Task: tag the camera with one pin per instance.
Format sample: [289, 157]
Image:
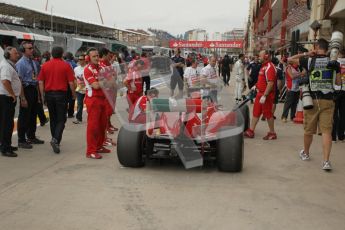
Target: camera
[336, 44]
[307, 100]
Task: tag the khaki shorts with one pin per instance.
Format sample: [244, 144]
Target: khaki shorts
[321, 116]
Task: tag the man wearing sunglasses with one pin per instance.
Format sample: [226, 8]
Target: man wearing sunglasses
[28, 72]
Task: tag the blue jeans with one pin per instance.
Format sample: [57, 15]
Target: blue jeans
[80, 106]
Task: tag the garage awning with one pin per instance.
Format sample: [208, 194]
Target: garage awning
[36, 37]
[89, 40]
[40, 37]
[26, 36]
[9, 33]
[17, 34]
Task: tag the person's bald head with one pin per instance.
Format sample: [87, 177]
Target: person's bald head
[264, 56]
[213, 61]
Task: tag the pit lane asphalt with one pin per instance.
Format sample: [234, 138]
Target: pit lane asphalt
[41, 190]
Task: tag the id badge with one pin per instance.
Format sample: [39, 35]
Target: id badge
[33, 76]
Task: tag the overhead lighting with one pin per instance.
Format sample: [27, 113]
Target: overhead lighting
[315, 25]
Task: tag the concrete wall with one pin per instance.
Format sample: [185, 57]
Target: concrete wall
[328, 25]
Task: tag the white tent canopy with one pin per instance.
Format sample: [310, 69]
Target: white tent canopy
[26, 36]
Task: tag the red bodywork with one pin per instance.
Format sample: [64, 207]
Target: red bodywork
[170, 123]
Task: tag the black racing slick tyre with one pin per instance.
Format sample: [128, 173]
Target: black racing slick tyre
[246, 116]
[130, 148]
[229, 153]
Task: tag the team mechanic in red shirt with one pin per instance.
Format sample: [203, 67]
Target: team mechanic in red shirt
[96, 105]
[134, 82]
[105, 57]
[54, 78]
[265, 97]
[137, 113]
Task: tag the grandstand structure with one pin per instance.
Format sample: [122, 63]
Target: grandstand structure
[19, 23]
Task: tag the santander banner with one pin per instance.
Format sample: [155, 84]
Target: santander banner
[206, 44]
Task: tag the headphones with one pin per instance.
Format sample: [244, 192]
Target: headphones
[7, 51]
[87, 58]
[87, 55]
[21, 46]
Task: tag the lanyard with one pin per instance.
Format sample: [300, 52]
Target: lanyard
[12, 65]
[32, 66]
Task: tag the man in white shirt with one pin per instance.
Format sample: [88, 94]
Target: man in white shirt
[191, 78]
[239, 78]
[210, 79]
[10, 89]
[80, 90]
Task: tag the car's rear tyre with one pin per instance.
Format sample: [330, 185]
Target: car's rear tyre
[246, 116]
[130, 147]
[229, 153]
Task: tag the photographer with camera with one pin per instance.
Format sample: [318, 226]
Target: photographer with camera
[317, 97]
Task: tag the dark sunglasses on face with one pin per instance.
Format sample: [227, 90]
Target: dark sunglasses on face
[29, 48]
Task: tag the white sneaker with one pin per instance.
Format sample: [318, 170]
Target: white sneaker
[304, 156]
[326, 165]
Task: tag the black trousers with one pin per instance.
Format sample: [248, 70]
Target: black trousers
[147, 81]
[251, 82]
[339, 117]
[226, 75]
[57, 107]
[290, 104]
[70, 103]
[27, 116]
[40, 113]
[7, 109]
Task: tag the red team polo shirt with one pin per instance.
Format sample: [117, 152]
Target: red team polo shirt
[104, 63]
[91, 75]
[267, 73]
[56, 74]
[137, 111]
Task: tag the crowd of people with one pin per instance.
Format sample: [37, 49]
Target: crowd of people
[324, 82]
[55, 80]
[19, 79]
[59, 80]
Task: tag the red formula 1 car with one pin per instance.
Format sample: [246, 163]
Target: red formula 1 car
[194, 130]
